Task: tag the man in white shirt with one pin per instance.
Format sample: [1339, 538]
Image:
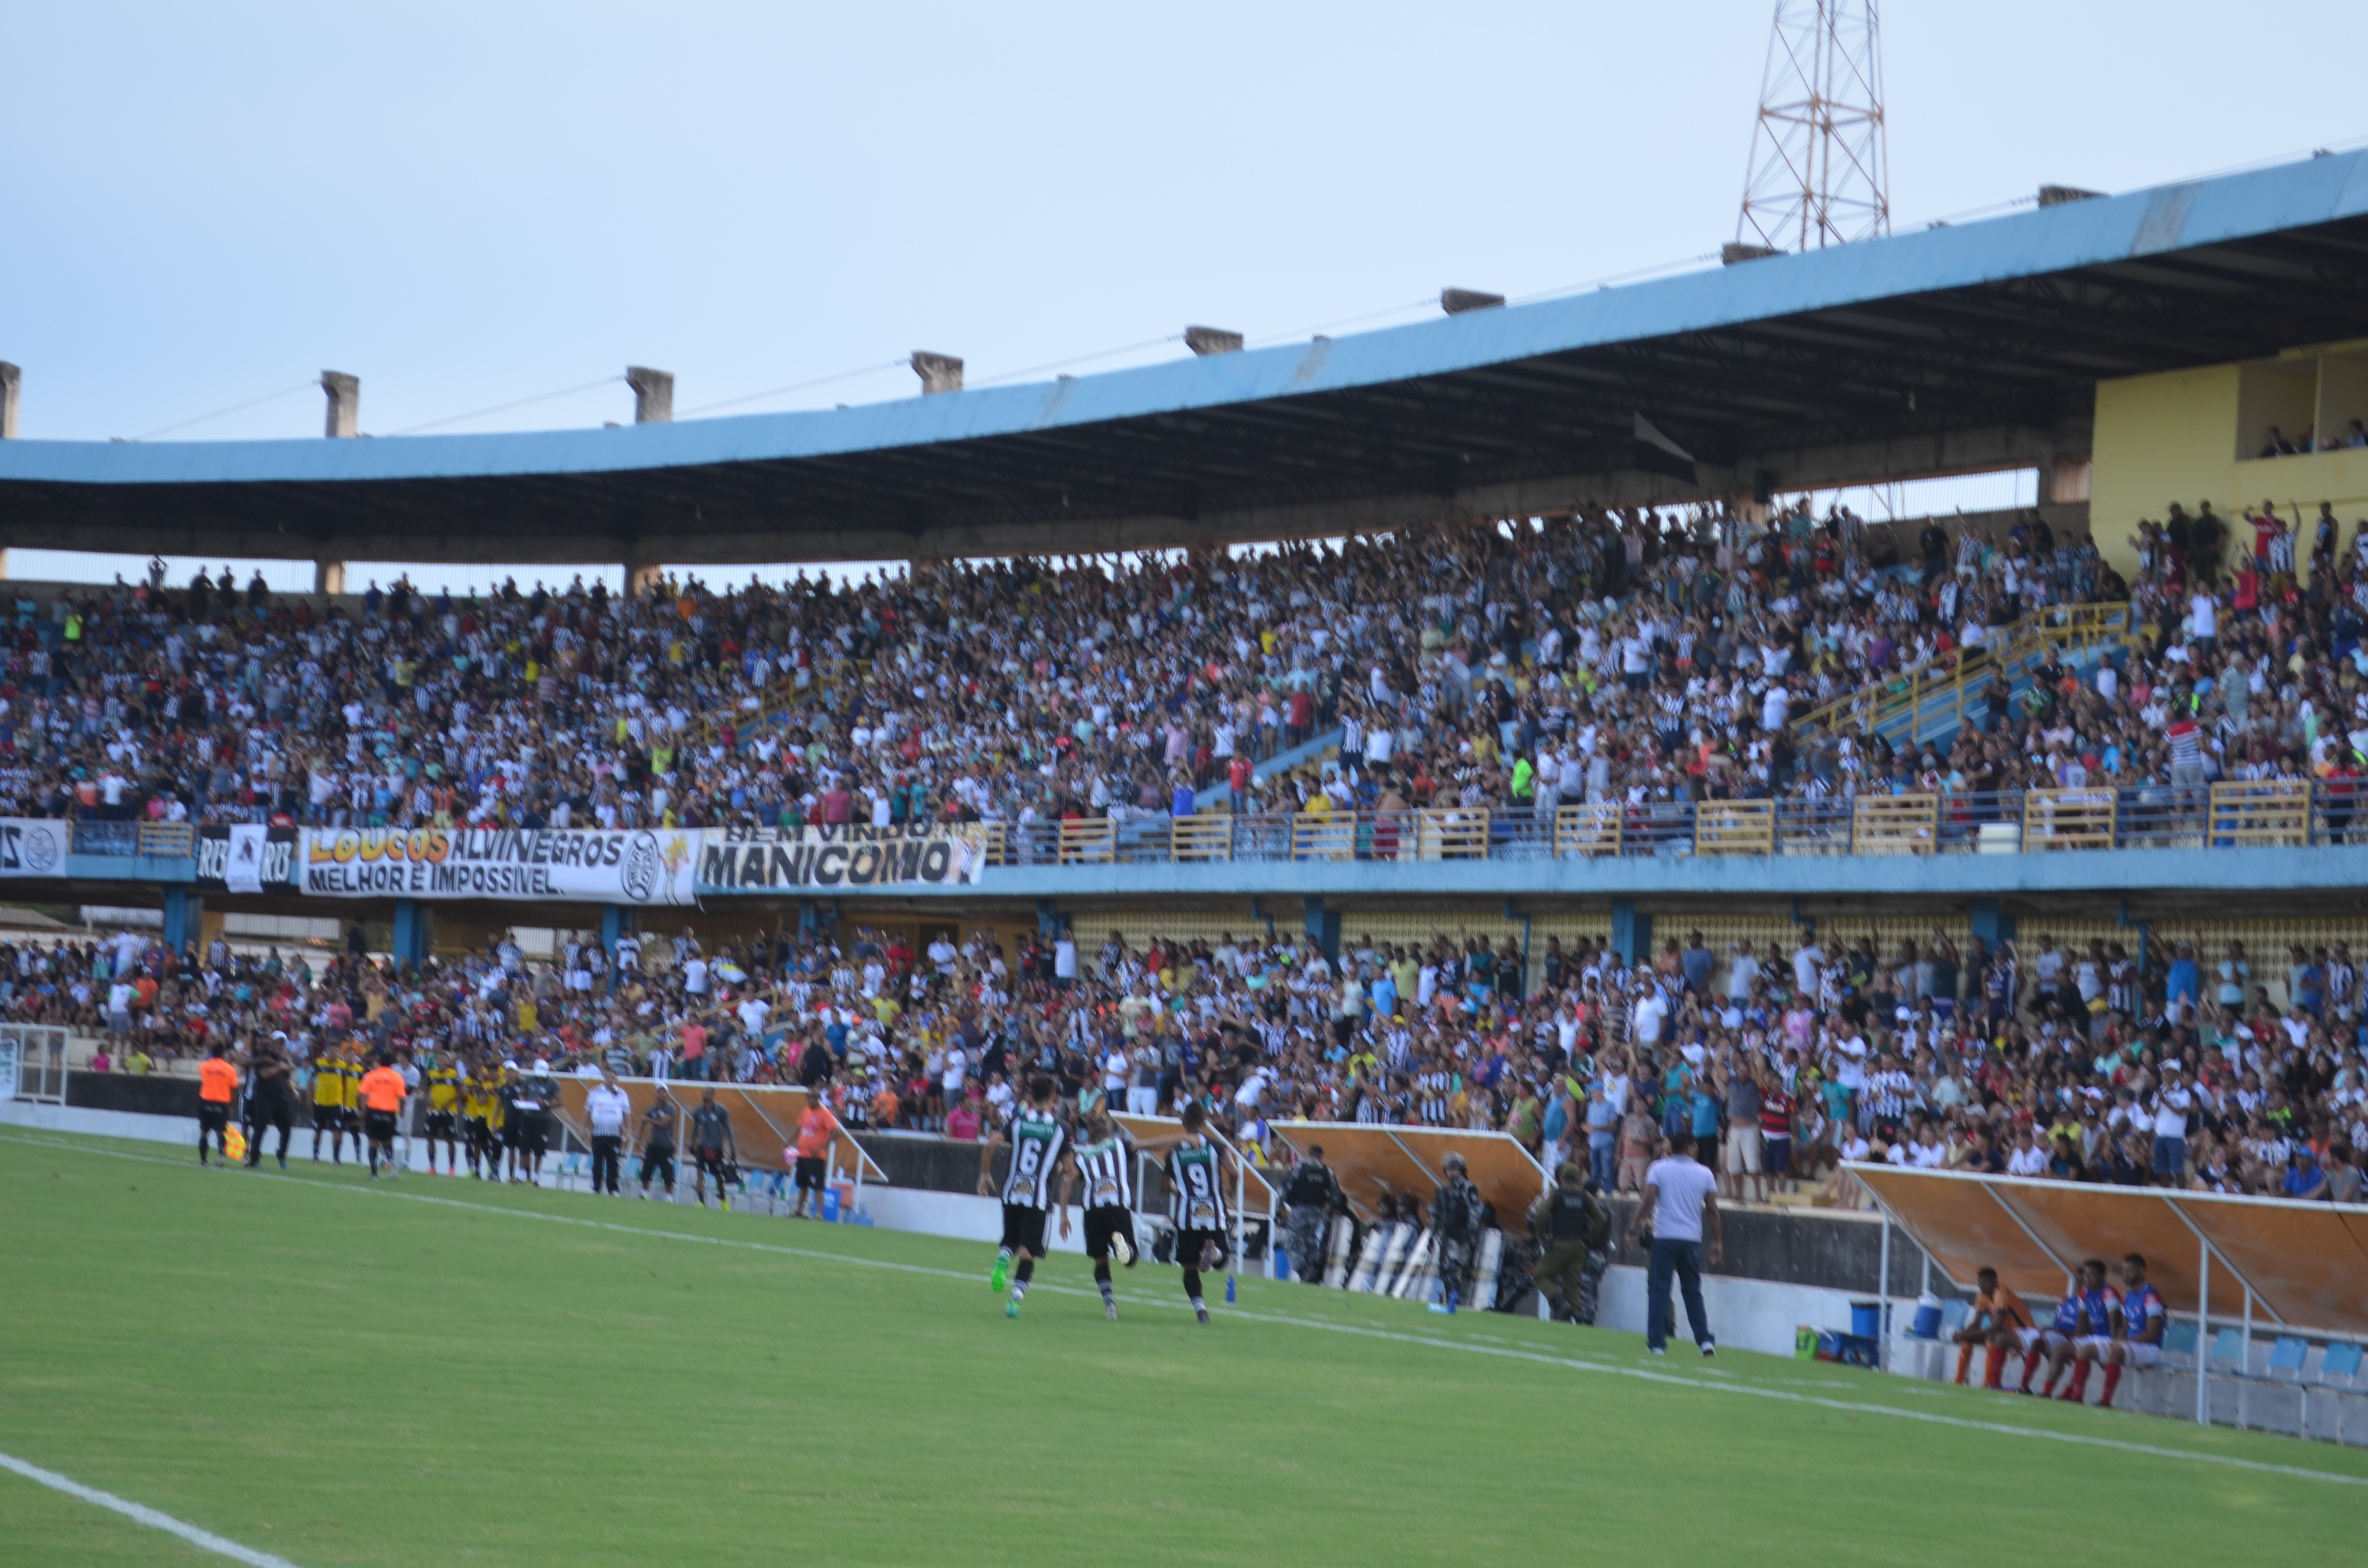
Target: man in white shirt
[2171, 1104]
[605, 1107]
[1680, 1208]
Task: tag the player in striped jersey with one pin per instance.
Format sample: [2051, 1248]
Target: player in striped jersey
[1102, 1163]
[1035, 1138]
[1196, 1201]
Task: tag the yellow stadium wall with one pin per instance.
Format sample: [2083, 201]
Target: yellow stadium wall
[2190, 436]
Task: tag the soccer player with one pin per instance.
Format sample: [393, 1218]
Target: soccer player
[2000, 1319]
[268, 1105]
[1034, 1137]
[2101, 1311]
[711, 1147]
[2052, 1344]
[382, 1091]
[657, 1143]
[329, 1106]
[217, 1089]
[815, 1127]
[531, 1103]
[2142, 1320]
[1103, 1163]
[1196, 1187]
[477, 1110]
[442, 1081]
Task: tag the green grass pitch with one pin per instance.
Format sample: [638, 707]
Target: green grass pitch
[337, 1373]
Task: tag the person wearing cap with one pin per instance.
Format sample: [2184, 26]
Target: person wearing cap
[1455, 1231]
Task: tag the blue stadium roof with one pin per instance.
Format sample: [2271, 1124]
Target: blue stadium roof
[2005, 323]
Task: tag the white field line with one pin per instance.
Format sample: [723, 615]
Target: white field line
[144, 1515]
[1645, 1374]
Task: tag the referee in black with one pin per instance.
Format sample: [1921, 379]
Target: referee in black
[268, 1101]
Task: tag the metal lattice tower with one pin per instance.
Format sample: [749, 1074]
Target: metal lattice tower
[1820, 174]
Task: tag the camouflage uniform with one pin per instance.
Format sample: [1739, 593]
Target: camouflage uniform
[1455, 1232]
[1313, 1195]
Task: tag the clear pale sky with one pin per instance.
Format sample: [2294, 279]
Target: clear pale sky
[469, 205]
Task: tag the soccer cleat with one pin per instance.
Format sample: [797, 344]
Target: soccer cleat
[1710, 1349]
[1123, 1246]
[1201, 1313]
[1654, 1351]
[1109, 1311]
[1011, 1307]
[1001, 1273]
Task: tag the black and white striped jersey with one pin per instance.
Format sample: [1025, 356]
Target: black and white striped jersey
[1036, 1137]
[1105, 1172]
[1196, 1197]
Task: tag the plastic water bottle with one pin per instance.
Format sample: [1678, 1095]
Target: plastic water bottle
[1229, 1289]
[1450, 1303]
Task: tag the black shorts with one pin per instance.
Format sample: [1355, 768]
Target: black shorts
[1103, 1224]
[440, 1124]
[475, 1132]
[329, 1117]
[657, 1160]
[710, 1161]
[1023, 1228]
[1190, 1244]
[270, 1110]
[212, 1116]
[810, 1172]
[530, 1133]
[379, 1125]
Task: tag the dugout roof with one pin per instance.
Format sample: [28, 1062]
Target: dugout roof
[1901, 345]
[2306, 1264]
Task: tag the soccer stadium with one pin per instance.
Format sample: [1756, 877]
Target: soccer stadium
[1425, 944]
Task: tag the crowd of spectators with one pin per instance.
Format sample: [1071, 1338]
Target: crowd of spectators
[1588, 655]
[2031, 1059]
[1643, 656]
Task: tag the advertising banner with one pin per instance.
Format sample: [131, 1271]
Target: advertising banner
[32, 846]
[849, 857]
[247, 858]
[580, 865]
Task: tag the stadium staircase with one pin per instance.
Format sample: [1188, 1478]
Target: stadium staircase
[1931, 701]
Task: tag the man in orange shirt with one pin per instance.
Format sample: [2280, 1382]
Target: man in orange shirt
[816, 1125]
[2000, 1319]
[383, 1090]
[217, 1089]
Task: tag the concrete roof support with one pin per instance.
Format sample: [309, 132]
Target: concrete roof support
[653, 394]
[939, 372]
[1212, 340]
[344, 404]
[1455, 302]
[12, 380]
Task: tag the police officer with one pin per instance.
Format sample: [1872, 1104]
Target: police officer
[1455, 1231]
[1313, 1196]
[1575, 1228]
